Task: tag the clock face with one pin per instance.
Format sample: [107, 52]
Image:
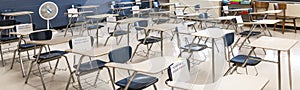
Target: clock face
[48, 10]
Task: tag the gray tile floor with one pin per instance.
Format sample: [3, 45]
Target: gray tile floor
[11, 79]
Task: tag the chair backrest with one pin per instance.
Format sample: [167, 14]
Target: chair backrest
[89, 45]
[280, 6]
[42, 35]
[4, 33]
[261, 6]
[229, 39]
[120, 55]
[178, 71]
[142, 23]
[197, 7]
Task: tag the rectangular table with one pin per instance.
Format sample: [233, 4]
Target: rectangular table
[149, 66]
[278, 44]
[161, 28]
[213, 33]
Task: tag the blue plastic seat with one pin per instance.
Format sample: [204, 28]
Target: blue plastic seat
[194, 47]
[139, 26]
[91, 66]
[94, 27]
[149, 40]
[118, 33]
[240, 59]
[140, 81]
[49, 56]
[254, 33]
[25, 46]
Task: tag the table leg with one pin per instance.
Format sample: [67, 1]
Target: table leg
[290, 73]
[213, 59]
[279, 71]
[161, 46]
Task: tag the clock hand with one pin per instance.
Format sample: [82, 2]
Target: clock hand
[49, 10]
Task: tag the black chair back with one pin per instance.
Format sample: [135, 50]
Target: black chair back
[197, 7]
[142, 23]
[120, 55]
[42, 35]
[4, 33]
[229, 39]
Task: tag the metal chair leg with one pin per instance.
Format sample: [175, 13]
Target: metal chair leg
[41, 76]
[96, 79]
[69, 81]
[55, 66]
[69, 67]
[106, 40]
[180, 54]
[135, 51]
[256, 71]
[235, 69]
[30, 68]
[154, 86]
[229, 69]
[118, 42]
[148, 50]
[13, 61]
[3, 63]
[114, 74]
[28, 56]
[112, 80]
[79, 83]
[50, 65]
[21, 64]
